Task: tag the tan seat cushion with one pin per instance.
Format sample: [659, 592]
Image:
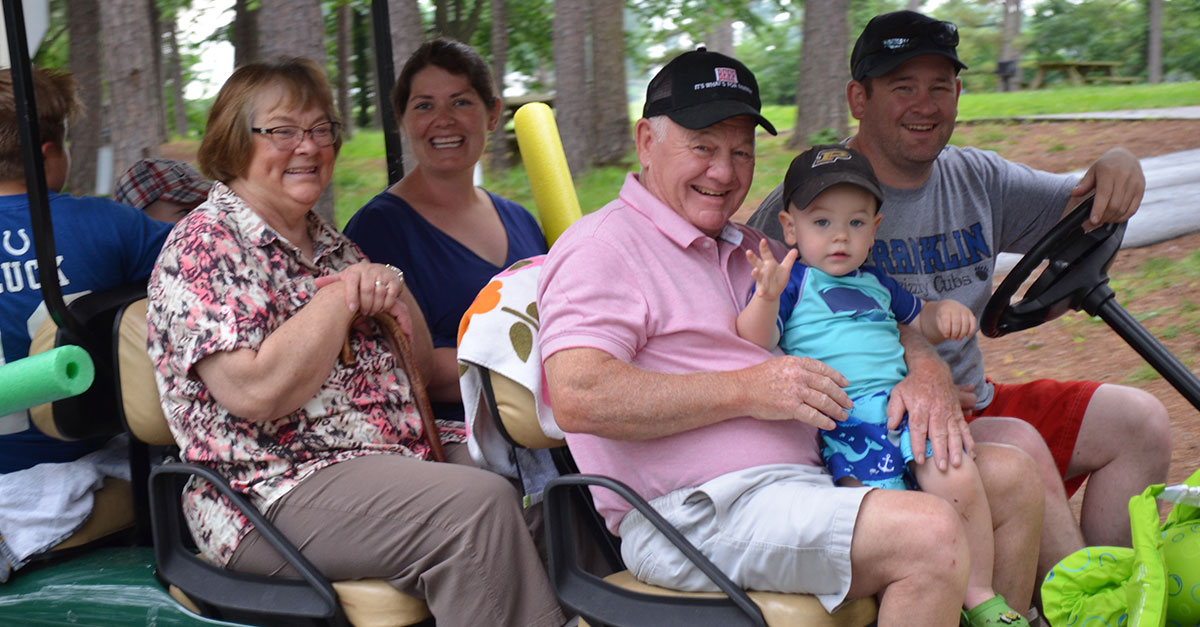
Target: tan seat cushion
[139, 393]
[375, 603]
[367, 603]
[778, 609]
[112, 511]
[518, 413]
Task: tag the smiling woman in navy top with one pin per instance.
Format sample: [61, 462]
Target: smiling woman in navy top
[448, 236]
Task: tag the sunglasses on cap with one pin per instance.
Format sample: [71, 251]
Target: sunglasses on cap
[942, 34]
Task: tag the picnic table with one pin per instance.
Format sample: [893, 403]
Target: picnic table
[1080, 72]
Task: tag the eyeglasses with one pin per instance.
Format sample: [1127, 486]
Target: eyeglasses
[943, 34]
[288, 137]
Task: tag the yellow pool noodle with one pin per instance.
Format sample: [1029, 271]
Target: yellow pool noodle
[546, 167]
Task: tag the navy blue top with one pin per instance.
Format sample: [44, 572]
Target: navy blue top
[100, 244]
[444, 275]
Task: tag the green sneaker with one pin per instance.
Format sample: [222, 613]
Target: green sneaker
[993, 612]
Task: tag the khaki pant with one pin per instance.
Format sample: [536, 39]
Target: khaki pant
[448, 533]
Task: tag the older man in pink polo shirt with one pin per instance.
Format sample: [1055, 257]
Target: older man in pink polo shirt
[653, 386]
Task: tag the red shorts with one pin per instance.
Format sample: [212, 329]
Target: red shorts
[1054, 408]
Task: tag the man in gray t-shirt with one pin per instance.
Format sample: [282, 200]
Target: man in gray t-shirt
[948, 212]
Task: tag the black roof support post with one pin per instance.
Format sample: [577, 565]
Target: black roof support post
[385, 71]
[35, 171]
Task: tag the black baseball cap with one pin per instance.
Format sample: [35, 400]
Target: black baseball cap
[891, 39]
[821, 167]
[700, 88]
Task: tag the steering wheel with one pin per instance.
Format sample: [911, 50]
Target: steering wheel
[1078, 263]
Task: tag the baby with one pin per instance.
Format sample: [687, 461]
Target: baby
[832, 308]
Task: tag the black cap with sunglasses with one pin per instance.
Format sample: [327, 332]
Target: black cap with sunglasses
[893, 38]
[700, 88]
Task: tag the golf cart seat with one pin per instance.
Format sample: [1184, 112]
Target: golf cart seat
[618, 599]
[203, 587]
[92, 414]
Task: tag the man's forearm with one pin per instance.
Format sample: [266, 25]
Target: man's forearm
[594, 393]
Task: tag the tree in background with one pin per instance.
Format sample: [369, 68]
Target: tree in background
[1154, 45]
[344, 26]
[720, 37]
[156, 50]
[83, 26]
[1100, 30]
[244, 32]
[134, 88]
[1181, 45]
[498, 142]
[820, 88]
[364, 69]
[174, 64]
[457, 19]
[1008, 64]
[572, 96]
[612, 138]
[407, 35]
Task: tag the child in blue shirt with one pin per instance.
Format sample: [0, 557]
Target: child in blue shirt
[833, 309]
[100, 244]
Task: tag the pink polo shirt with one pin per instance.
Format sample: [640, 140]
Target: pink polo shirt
[642, 284]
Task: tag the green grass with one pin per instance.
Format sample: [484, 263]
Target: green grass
[359, 174]
[1077, 100]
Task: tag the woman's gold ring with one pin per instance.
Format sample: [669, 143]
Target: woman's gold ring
[378, 283]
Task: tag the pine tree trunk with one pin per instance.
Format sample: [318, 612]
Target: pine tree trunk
[244, 33]
[135, 91]
[572, 102]
[820, 91]
[345, 19]
[407, 35]
[176, 64]
[612, 129]
[1009, 64]
[83, 28]
[1154, 62]
[721, 38]
[156, 49]
[499, 138]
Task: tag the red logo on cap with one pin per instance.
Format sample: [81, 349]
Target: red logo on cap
[727, 75]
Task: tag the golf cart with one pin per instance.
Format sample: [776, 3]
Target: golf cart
[121, 579]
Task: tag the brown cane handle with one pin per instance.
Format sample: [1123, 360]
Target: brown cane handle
[403, 350]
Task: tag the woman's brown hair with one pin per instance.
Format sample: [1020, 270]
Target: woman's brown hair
[227, 146]
[454, 57]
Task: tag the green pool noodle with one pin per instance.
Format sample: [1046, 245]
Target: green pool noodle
[55, 374]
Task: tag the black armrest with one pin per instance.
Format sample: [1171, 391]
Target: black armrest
[95, 412]
[234, 595]
[601, 602]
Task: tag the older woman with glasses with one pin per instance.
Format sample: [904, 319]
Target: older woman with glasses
[251, 303]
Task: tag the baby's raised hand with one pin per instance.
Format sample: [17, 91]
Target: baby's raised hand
[770, 276]
[954, 320]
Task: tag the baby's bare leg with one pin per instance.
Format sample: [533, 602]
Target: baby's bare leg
[963, 489]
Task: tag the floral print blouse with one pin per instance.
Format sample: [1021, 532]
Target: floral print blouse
[225, 281]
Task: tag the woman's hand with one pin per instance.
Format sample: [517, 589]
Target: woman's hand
[372, 288]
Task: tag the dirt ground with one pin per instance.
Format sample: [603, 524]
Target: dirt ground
[1075, 346]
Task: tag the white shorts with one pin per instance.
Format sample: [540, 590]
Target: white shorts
[777, 528]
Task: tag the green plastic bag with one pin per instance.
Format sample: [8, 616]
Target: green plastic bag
[1154, 584]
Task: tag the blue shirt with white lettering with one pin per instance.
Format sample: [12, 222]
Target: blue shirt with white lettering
[100, 244]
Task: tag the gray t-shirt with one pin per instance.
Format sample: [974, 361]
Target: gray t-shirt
[940, 240]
